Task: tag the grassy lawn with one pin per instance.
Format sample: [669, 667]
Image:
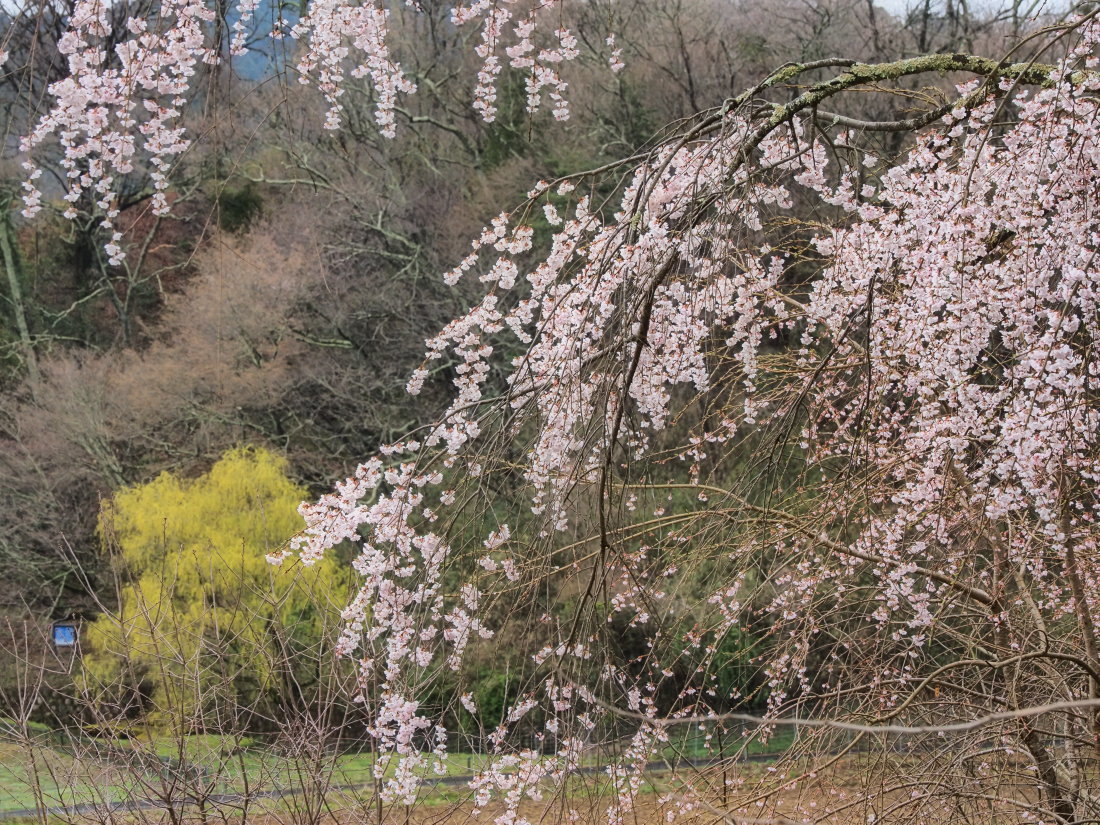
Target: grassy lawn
[56, 774]
[111, 772]
[148, 766]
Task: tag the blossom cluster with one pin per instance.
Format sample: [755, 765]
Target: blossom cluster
[328, 29]
[111, 109]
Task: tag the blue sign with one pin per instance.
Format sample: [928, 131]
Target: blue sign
[64, 635]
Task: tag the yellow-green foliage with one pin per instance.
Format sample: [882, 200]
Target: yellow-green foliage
[203, 618]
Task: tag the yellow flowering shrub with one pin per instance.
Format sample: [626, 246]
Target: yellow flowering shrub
[202, 618]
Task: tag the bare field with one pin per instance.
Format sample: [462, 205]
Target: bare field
[807, 803]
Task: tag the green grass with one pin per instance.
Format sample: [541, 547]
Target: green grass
[52, 773]
[132, 769]
[147, 765]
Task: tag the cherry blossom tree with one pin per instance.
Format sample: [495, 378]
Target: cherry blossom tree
[886, 427]
[785, 404]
